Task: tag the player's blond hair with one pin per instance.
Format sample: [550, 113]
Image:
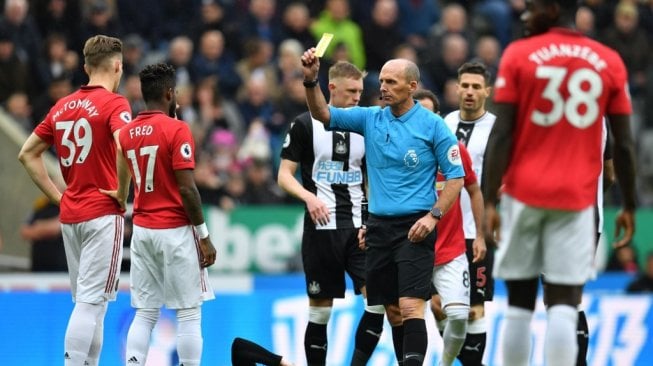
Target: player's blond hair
[347, 70]
[98, 49]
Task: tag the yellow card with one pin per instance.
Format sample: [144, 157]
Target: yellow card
[323, 44]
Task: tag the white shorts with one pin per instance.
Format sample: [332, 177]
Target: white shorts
[534, 241]
[94, 255]
[165, 269]
[451, 280]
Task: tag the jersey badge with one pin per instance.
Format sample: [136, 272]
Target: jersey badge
[286, 141]
[411, 159]
[341, 148]
[186, 151]
[454, 155]
[126, 116]
[314, 288]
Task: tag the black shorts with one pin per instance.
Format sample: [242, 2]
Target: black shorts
[482, 282]
[395, 266]
[326, 255]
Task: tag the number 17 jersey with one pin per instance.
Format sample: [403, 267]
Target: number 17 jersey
[154, 146]
[562, 84]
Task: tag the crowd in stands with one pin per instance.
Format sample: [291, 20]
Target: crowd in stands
[238, 66]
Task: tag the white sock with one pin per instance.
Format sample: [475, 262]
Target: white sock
[189, 336]
[98, 337]
[138, 337]
[80, 333]
[454, 333]
[560, 346]
[516, 344]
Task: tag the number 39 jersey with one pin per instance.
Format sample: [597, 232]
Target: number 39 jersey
[154, 146]
[80, 126]
[562, 84]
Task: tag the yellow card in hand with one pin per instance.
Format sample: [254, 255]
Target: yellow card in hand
[323, 44]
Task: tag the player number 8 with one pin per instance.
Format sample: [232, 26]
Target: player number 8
[577, 97]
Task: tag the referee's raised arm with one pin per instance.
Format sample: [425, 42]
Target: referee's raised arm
[315, 100]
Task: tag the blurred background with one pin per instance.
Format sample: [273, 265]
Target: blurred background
[239, 83]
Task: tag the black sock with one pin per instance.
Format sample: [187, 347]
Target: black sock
[472, 352]
[415, 340]
[315, 344]
[398, 342]
[246, 353]
[367, 336]
[583, 336]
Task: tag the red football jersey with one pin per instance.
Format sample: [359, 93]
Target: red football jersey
[562, 84]
[81, 127]
[154, 146]
[450, 242]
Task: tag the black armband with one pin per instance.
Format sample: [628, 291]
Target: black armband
[310, 84]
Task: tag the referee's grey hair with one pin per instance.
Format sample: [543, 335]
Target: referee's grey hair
[412, 71]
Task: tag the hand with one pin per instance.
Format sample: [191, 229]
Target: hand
[122, 201]
[625, 220]
[361, 238]
[479, 249]
[492, 225]
[207, 252]
[422, 228]
[311, 64]
[318, 210]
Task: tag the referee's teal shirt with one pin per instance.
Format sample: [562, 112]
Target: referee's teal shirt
[402, 155]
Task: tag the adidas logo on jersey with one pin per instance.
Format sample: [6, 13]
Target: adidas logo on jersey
[66, 356]
[314, 288]
[133, 361]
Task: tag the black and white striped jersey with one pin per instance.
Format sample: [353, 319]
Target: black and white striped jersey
[332, 167]
[474, 135]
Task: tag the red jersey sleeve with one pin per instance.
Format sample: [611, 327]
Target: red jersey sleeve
[183, 148]
[44, 130]
[619, 100]
[505, 86]
[470, 176]
[120, 113]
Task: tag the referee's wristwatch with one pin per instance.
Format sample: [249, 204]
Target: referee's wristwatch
[437, 213]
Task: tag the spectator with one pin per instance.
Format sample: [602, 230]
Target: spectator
[455, 51]
[131, 89]
[631, 43]
[416, 18]
[18, 107]
[133, 53]
[178, 16]
[381, 35]
[454, 21]
[256, 107]
[260, 22]
[15, 74]
[288, 64]
[43, 230]
[180, 54]
[644, 281]
[257, 61]
[57, 16]
[623, 260]
[59, 87]
[213, 60]
[296, 23]
[57, 61]
[142, 17]
[488, 52]
[23, 30]
[585, 21]
[99, 19]
[216, 112]
[260, 185]
[214, 15]
[335, 19]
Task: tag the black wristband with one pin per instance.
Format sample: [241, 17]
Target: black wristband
[310, 84]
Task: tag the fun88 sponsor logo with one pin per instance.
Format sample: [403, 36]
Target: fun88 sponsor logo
[331, 172]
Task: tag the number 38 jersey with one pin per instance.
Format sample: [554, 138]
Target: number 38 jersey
[81, 126]
[154, 146]
[562, 84]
